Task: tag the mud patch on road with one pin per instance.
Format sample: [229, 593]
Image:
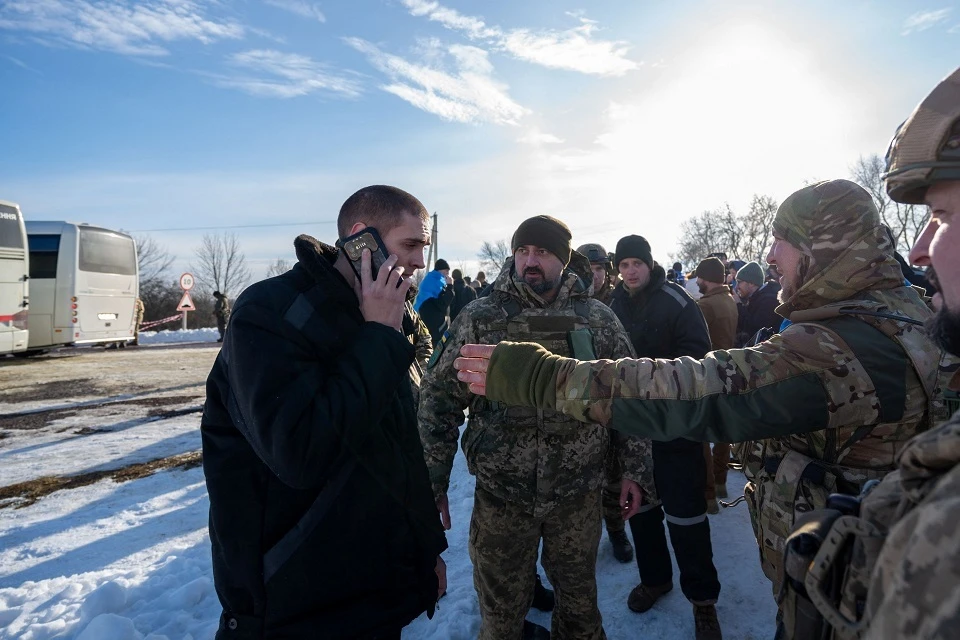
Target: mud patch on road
[37, 420]
[24, 494]
[54, 390]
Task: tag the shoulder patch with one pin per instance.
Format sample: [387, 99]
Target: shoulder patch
[674, 294]
[438, 350]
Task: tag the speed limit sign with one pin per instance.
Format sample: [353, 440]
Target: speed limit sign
[186, 281]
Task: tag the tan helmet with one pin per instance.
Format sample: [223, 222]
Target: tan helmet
[926, 148]
[596, 254]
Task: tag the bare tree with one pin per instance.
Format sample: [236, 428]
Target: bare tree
[492, 257]
[746, 236]
[153, 259]
[220, 264]
[906, 221]
[757, 226]
[279, 267]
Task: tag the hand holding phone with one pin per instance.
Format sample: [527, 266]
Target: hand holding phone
[354, 245]
[382, 292]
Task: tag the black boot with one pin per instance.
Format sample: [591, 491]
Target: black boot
[533, 631]
[622, 550]
[543, 598]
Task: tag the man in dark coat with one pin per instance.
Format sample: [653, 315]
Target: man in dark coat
[663, 321]
[758, 303]
[434, 299]
[463, 294]
[322, 518]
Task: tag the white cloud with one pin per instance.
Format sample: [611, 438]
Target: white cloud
[470, 94]
[132, 28]
[300, 7]
[923, 20]
[536, 137]
[287, 75]
[574, 49]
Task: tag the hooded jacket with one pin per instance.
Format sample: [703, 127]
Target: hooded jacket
[306, 397]
[829, 402]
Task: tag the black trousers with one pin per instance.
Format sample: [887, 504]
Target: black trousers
[680, 473]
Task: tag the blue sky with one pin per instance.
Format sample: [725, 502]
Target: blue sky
[617, 117]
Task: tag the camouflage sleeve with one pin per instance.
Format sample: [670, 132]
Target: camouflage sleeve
[423, 343]
[913, 590]
[796, 382]
[443, 399]
[634, 453]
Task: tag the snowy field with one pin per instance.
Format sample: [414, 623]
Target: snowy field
[130, 560]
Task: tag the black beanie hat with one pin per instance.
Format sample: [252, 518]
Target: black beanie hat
[546, 232]
[711, 270]
[633, 247]
[440, 265]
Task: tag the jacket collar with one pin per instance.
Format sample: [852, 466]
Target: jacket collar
[317, 259]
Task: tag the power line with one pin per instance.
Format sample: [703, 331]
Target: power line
[236, 226]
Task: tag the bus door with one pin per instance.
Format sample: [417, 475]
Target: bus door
[44, 257]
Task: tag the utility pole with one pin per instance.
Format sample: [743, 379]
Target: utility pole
[433, 239]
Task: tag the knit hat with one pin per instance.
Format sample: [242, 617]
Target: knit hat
[633, 247]
[711, 270]
[751, 272]
[546, 232]
[456, 274]
[440, 265]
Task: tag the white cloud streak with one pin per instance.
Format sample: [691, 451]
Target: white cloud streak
[125, 27]
[468, 95]
[287, 75]
[301, 8]
[574, 49]
[923, 20]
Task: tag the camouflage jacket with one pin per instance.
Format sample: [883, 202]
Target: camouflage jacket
[530, 457]
[913, 591]
[221, 308]
[419, 336]
[605, 294]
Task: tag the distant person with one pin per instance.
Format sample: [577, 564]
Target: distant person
[758, 304]
[322, 518]
[462, 294]
[221, 310]
[720, 312]
[138, 311]
[678, 271]
[434, 299]
[481, 282]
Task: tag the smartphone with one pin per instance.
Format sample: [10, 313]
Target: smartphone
[354, 245]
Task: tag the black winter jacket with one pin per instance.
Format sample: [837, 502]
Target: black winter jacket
[302, 386]
[434, 311]
[462, 296]
[759, 313]
[662, 320]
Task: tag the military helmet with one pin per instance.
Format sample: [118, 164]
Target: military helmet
[926, 148]
[595, 253]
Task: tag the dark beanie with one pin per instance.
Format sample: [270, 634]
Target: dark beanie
[440, 265]
[633, 247]
[751, 272]
[711, 270]
[545, 232]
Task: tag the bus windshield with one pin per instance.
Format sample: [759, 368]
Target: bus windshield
[10, 234]
[104, 251]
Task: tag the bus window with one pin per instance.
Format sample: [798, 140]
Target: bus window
[44, 250]
[107, 252]
[10, 235]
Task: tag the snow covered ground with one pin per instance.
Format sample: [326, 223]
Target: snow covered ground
[131, 560]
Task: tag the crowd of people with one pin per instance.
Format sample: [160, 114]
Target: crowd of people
[592, 386]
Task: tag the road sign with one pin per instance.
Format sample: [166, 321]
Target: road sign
[186, 303]
[186, 282]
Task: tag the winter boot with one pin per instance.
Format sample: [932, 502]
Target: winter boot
[643, 597]
[712, 507]
[533, 631]
[721, 490]
[706, 623]
[622, 550]
[543, 598]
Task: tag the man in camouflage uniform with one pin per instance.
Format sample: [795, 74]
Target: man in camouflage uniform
[221, 310]
[138, 311]
[828, 403]
[538, 473]
[604, 281]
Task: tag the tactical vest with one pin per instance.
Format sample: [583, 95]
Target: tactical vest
[560, 331]
[785, 483]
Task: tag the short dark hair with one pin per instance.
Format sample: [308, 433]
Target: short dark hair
[379, 206]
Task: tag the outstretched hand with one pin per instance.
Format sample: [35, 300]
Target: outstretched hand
[472, 366]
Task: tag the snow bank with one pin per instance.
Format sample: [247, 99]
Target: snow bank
[207, 334]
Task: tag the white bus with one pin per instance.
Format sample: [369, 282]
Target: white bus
[84, 284]
[14, 270]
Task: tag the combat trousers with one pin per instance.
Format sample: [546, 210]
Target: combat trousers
[680, 474]
[504, 540]
[613, 476]
[717, 461]
[221, 326]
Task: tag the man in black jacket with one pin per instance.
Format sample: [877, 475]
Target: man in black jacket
[758, 303]
[463, 294]
[322, 517]
[663, 321]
